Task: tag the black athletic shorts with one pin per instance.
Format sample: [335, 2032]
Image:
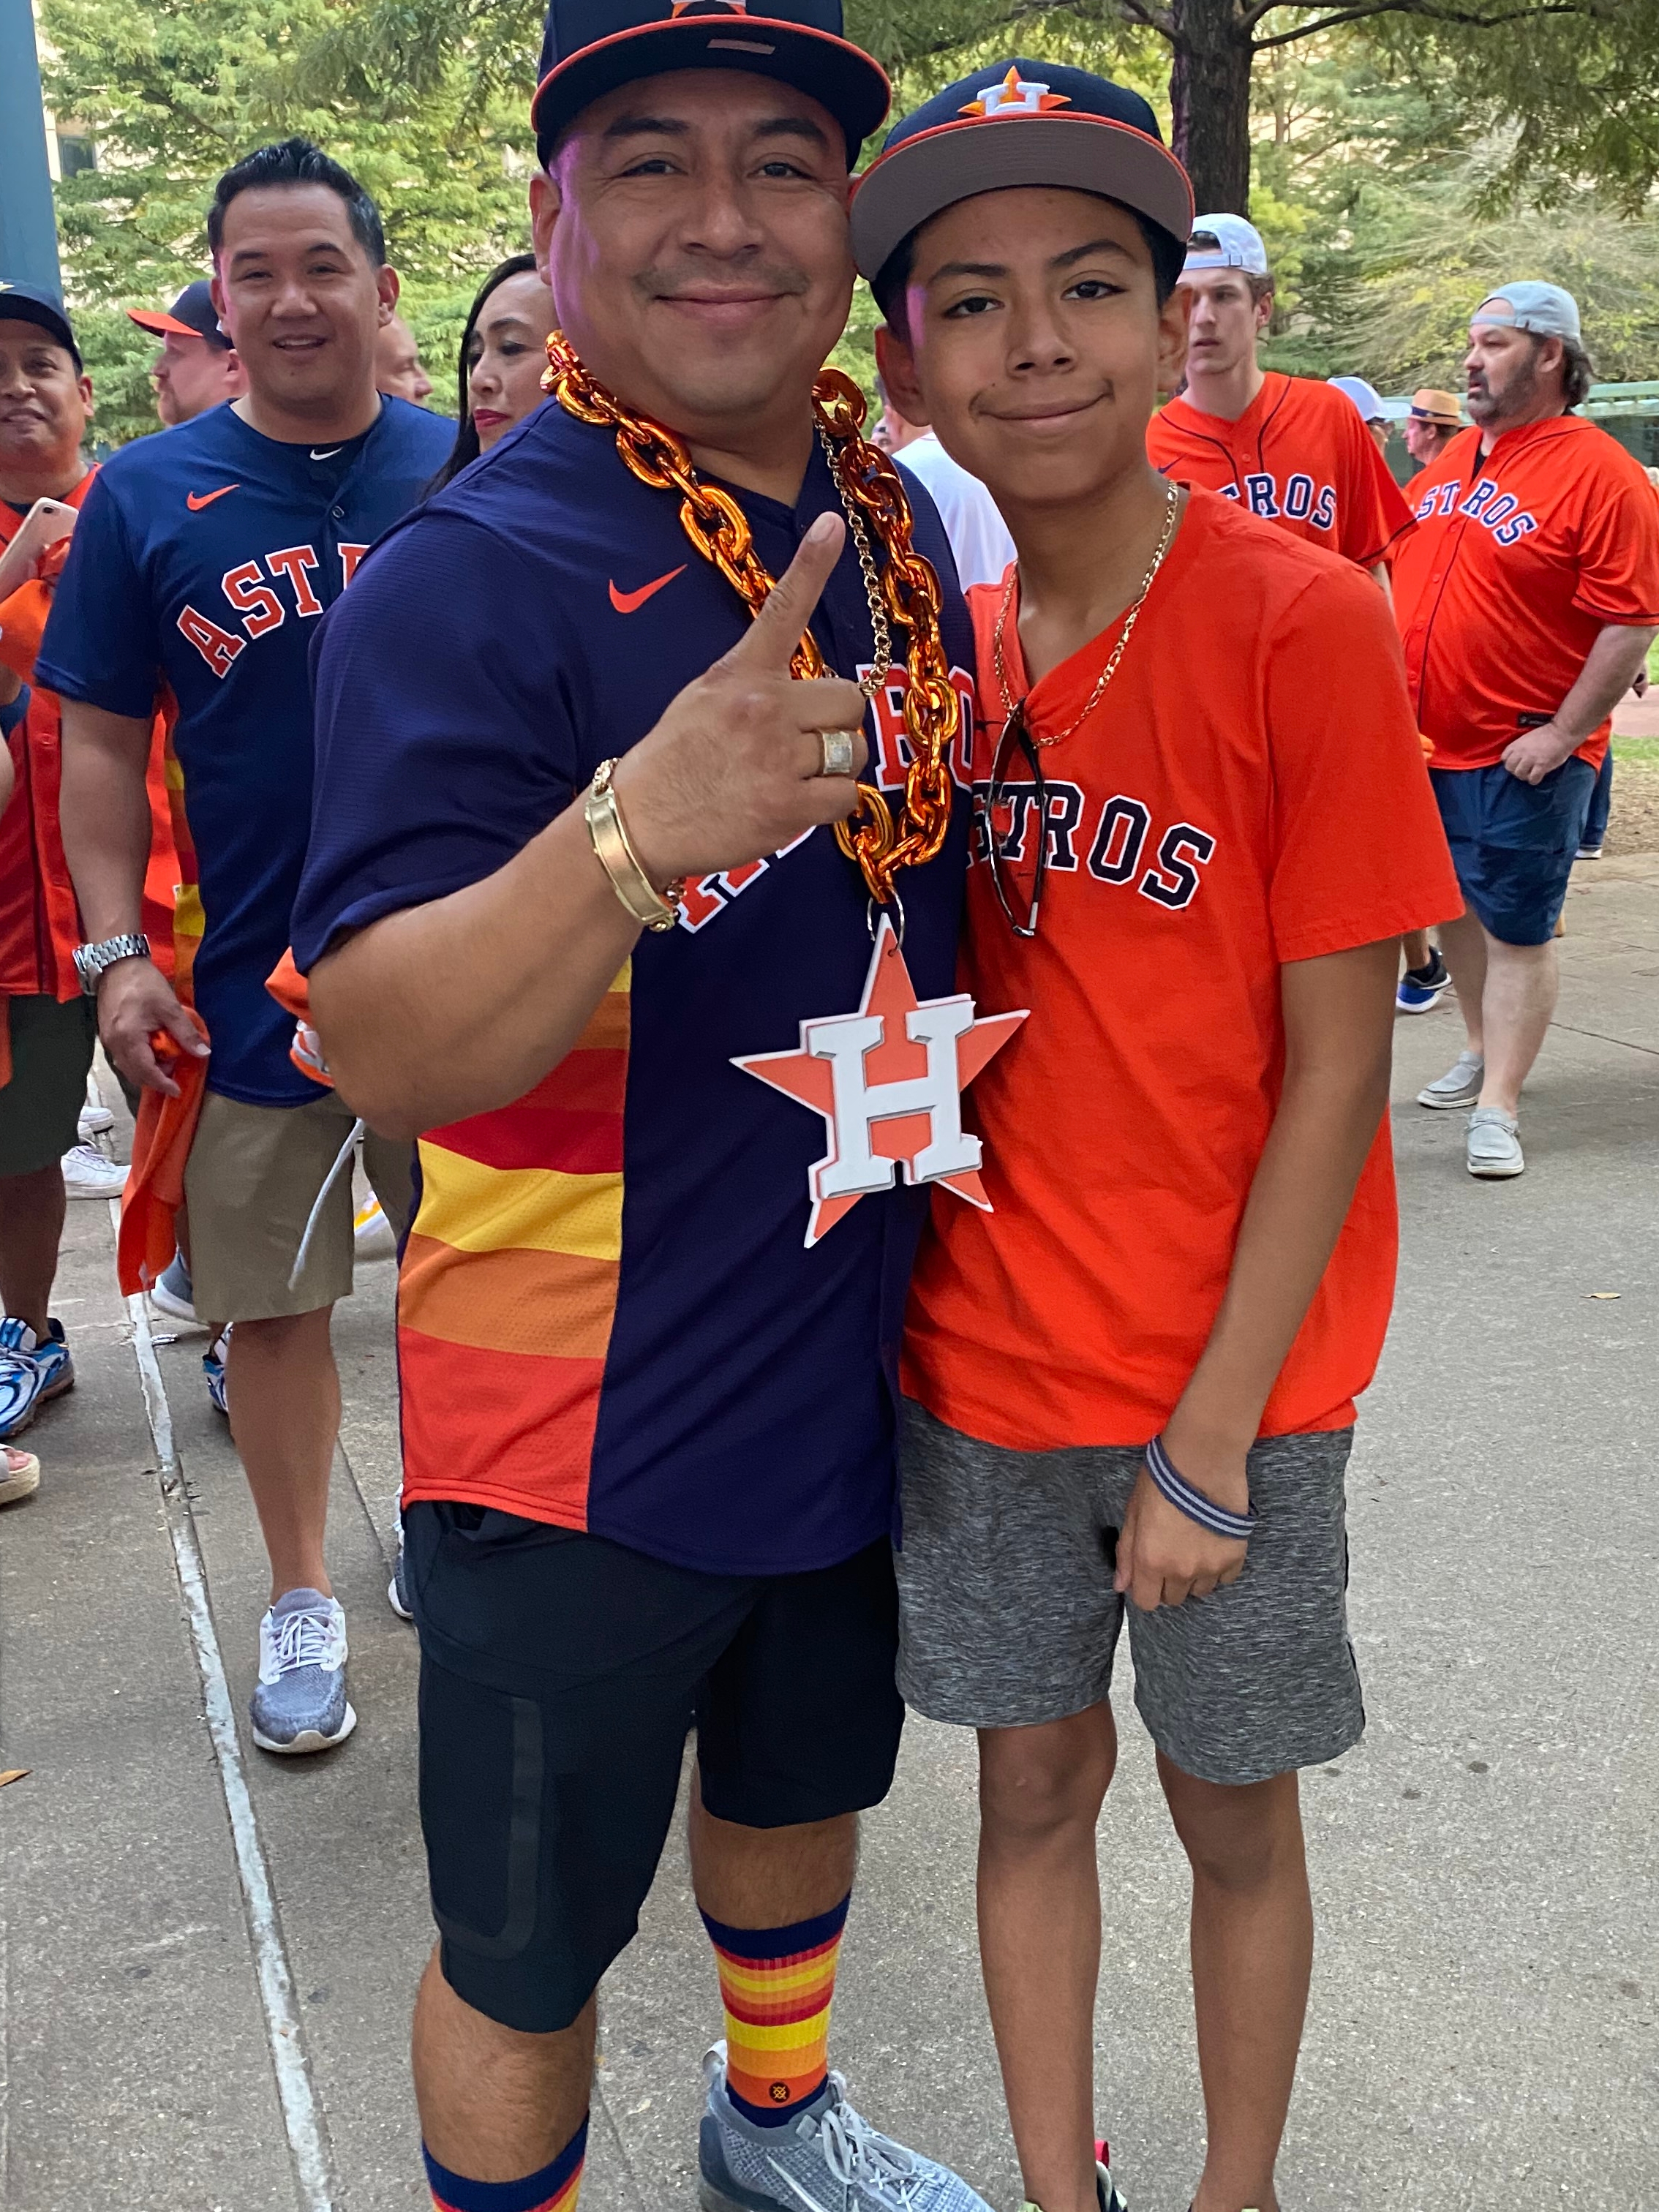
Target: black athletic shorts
[559, 1675]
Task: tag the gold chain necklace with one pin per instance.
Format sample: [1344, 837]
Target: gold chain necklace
[1172, 508]
[906, 591]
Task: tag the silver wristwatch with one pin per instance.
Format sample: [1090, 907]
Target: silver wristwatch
[91, 960]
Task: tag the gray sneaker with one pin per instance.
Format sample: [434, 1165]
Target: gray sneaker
[300, 1703]
[1459, 1086]
[1494, 1145]
[396, 1591]
[828, 2160]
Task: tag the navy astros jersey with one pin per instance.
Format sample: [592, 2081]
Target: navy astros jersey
[200, 563]
[608, 1317]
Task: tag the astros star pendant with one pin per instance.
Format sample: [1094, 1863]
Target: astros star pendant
[888, 1081]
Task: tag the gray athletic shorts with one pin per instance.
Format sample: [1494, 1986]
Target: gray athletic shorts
[1007, 1616]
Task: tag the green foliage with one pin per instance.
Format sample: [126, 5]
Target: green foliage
[174, 91]
[1401, 165]
[1391, 210]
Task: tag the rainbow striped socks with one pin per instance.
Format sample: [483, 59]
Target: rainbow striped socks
[553, 2190]
[776, 1984]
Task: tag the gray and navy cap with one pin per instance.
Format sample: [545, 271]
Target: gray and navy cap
[1016, 122]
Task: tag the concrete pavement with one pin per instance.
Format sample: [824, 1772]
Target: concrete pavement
[1485, 2028]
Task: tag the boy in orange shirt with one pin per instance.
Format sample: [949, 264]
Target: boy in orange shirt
[1130, 1387]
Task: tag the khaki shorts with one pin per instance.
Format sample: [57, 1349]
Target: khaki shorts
[52, 1047]
[251, 1181]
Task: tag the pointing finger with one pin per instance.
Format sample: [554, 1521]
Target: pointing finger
[776, 630]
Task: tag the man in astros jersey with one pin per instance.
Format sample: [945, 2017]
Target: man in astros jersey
[647, 1395]
[203, 560]
[1526, 598]
[1292, 451]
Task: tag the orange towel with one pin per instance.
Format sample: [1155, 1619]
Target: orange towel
[156, 1181]
[293, 994]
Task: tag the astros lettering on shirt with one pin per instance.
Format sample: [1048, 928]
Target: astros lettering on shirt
[1519, 559]
[1212, 818]
[608, 1318]
[1299, 456]
[203, 557]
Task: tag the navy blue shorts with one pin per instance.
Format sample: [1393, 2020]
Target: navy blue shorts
[1513, 843]
[560, 1674]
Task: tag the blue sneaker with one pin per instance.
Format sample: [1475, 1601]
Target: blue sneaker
[31, 1373]
[213, 1366]
[172, 1293]
[300, 1703]
[827, 2160]
[1419, 988]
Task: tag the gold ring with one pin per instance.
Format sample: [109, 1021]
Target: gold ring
[837, 752]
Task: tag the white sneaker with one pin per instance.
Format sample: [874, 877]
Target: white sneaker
[1459, 1086]
[172, 1293]
[20, 1474]
[1494, 1145]
[88, 1173]
[95, 1122]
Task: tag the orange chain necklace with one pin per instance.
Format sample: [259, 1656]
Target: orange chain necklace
[907, 591]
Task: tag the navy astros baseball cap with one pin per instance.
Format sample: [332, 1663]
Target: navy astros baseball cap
[190, 316]
[591, 47]
[1018, 122]
[22, 303]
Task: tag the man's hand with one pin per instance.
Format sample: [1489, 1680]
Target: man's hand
[733, 771]
[1537, 753]
[134, 997]
[1164, 1557]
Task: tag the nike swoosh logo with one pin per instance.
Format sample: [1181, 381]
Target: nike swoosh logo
[328, 455]
[196, 501]
[628, 603]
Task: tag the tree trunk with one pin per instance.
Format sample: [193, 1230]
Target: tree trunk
[1210, 95]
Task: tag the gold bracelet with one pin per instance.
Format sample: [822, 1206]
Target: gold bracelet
[616, 855]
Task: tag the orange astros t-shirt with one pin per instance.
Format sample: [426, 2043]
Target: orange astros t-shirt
[1517, 563]
[1299, 456]
[1250, 790]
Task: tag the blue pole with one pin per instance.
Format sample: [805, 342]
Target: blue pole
[28, 228]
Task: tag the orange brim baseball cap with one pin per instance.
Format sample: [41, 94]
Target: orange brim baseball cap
[1019, 123]
[592, 48]
[190, 316]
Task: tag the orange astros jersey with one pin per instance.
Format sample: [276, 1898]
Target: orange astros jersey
[1298, 455]
[1520, 559]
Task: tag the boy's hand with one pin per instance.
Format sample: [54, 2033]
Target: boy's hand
[1163, 1558]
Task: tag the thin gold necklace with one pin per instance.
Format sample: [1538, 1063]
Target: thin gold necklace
[1171, 509]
